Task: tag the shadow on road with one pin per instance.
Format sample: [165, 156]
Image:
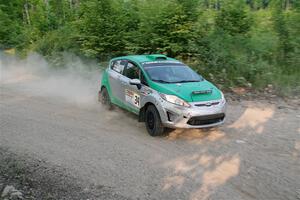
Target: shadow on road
[246, 158]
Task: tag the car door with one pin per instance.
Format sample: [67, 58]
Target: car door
[132, 93]
[116, 80]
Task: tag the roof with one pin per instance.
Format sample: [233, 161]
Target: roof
[146, 58]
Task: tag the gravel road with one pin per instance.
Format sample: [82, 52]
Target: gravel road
[254, 155]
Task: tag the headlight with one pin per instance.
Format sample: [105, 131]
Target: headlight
[174, 99]
[223, 100]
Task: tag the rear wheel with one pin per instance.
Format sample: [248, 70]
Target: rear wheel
[105, 99]
[153, 122]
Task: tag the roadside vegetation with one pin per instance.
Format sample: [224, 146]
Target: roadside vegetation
[247, 43]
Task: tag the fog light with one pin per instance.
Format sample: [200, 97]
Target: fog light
[171, 116]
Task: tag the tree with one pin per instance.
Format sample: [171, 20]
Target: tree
[11, 21]
[100, 32]
[168, 30]
[233, 19]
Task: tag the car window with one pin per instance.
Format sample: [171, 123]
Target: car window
[118, 65]
[132, 71]
[171, 73]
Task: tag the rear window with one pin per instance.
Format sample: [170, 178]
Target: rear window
[118, 65]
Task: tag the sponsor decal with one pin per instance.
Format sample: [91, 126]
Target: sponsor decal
[132, 98]
[146, 91]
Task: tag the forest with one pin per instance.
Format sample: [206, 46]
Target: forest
[246, 43]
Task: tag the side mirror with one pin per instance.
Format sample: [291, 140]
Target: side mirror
[136, 82]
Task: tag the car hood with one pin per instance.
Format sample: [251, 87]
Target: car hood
[190, 92]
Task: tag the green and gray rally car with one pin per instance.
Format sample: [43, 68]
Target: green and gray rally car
[163, 92]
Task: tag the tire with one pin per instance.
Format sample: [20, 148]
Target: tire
[105, 99]
[153, 122]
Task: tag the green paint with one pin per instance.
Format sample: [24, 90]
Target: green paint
[185, 90]
[182, 90]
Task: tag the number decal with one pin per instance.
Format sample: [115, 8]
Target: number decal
[132, 98]
[137, 100]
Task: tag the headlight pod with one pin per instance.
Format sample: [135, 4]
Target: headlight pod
[174, 99]
[223, 100]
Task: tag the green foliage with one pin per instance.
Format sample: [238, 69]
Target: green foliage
[10, 23]
[167, 31]
[104, 27]
[233, 20]
[250, 43]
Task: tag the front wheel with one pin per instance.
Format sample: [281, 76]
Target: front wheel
[153, 121]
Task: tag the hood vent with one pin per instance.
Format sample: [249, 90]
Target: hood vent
[202, 92]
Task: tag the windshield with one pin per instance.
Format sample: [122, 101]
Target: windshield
[171, 73]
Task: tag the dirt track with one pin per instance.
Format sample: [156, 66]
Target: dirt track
[255, 155]
[54, 117]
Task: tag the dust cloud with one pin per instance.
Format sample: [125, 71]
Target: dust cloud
[76, 81]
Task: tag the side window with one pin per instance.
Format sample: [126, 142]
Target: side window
[132, 71]
[118, 65]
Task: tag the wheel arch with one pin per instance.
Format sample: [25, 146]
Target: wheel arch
[103, 86]
[143, 110]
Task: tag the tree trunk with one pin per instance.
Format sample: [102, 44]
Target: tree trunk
[71, 4]
[26, 8]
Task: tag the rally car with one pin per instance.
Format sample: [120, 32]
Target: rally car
[163, 92]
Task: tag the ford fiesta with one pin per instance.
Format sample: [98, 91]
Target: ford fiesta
[163, 92]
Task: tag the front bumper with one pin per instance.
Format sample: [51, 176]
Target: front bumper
[199, 115]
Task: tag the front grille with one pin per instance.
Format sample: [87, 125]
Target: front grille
[206, 120]
[207, 104]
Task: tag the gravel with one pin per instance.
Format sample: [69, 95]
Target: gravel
[61, 150]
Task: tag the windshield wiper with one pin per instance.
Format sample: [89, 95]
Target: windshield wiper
[160, 81]
[187, 81]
